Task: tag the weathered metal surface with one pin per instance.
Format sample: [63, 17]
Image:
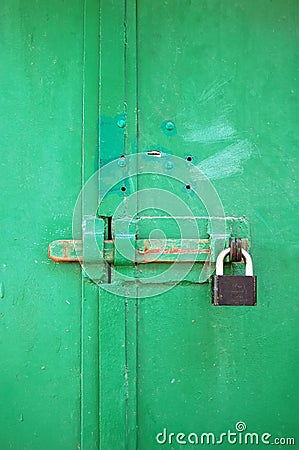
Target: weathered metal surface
[40, 176]
[233, 102]
[235, 250]
[64, 250]
[123, 241]
[179, 250]
[214, 82]
[234, 290]
[146, 250]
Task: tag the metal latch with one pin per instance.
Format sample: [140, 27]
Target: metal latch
[129, 244]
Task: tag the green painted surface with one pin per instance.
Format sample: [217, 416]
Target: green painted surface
[225, 75]
[41, 122]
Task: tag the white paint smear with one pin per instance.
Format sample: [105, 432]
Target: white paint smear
[227, 162]
[216, 132]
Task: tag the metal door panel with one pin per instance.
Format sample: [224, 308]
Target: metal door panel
[226, 76]
[41, 97]
[83, 85]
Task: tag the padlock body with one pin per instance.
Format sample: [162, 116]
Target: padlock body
[234, 290]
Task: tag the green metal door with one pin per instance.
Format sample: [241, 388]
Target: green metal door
[175, 122]
[41, 102]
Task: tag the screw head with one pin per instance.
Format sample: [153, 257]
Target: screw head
[169, 165]
[121, 123]
[169, 126]
[121, 162]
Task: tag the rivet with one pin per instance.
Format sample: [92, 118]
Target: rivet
[121, 123]
[169, 165]
[169, 126]
[122, 162]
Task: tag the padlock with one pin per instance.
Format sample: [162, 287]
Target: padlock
[234, 290]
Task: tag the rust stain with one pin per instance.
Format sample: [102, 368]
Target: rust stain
[62, 259]
[64, 244]
[175, 251]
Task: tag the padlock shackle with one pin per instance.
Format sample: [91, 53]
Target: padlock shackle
[245, 255]
[248, 262]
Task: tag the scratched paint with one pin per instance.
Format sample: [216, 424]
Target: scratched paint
[217, 131]
[211, 128]
[227, 162]
[212, 91]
